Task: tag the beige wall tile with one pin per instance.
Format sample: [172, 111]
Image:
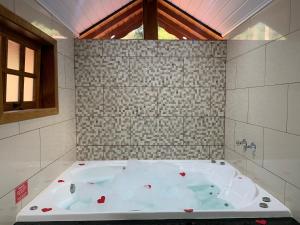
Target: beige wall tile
[7, 130]
[229, 133]
[56, 140]
[293, 123]
[253, 134]
[268, 106]
[231, 74]
[267, 180]
[295, 16]
[21, 156]
[8, 209]
[292, 200]
[282, 60]
[237, 104]
[251, 69]
[236, 160]
[282, 155]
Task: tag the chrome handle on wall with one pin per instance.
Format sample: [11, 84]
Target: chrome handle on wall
[252, 146]
[244, 143]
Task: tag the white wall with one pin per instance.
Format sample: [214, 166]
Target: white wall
[40, 149]
[263, 100]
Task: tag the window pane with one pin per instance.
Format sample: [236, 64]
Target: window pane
[12, 88]
[28, 89]
[29, 60]
[13, 55]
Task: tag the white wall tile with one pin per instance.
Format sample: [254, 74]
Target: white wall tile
[7, 130]
[8, 4]
[229, 133]
[8, 209]
[56, 140]
[282, 155]
[33, 16]
[271, 23]
[292, 200]
[268, 106]
[20, 155]
[251, 69]
[267, 180]
[282, 63]
[42, 179]
[69, 72]
[251, 134]
[293, 124]
[295, 15]
[237, 104]
[231, 74]
[236, 160]
[238, 41]
[66, 112]
[61, 70]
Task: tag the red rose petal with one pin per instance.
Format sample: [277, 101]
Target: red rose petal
[101, 200]
[261, 222]
[189, 210]
[182, 174]
[46, 209]
[60, 181]
[149, 186]
[81, 164]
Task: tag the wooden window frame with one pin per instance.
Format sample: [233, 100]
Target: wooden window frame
[45, 103]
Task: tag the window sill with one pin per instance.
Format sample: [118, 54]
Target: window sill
[15, 116]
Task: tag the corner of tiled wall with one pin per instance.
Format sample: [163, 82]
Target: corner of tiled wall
[138, 99]
[39, 150]
[262, 100]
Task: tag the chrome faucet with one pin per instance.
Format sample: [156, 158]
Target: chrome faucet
[252, 146]
[242, 142]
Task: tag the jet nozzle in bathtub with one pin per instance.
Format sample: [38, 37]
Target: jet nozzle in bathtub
[72, 188]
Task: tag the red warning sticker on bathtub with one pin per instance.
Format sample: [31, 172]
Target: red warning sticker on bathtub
[21, 191]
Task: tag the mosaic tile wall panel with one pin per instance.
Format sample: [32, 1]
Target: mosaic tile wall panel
[150, 99]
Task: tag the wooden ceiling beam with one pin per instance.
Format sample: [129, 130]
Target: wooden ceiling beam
[187, 20]
[111, 20]
[174, 22]
[150, 24]
[174, 29]
[122, 26]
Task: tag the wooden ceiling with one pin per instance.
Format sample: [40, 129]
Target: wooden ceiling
[150, 13]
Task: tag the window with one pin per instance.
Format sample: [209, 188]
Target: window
[28, 70]
[20, 73]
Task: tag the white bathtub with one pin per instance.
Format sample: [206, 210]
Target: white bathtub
[222, 192]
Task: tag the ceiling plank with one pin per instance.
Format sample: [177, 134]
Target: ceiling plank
[150, 19]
